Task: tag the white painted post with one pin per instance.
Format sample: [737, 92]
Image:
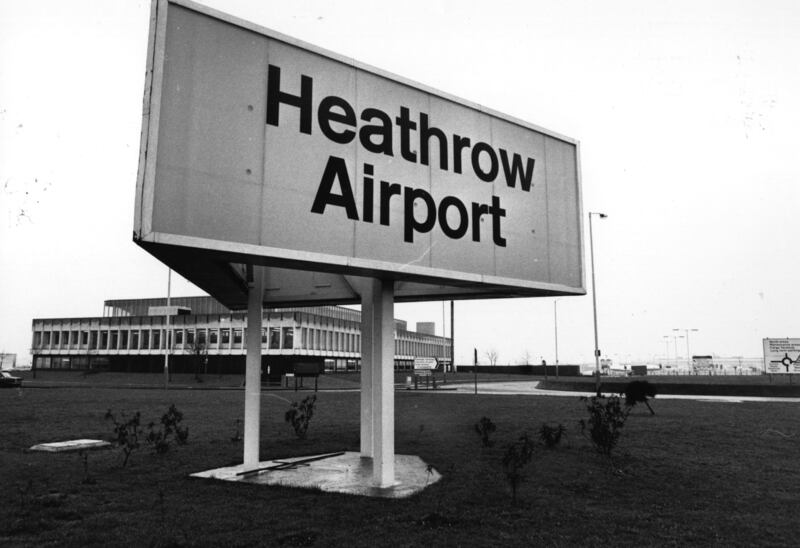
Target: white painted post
[382, 314]
[366, 370]
[252, 389]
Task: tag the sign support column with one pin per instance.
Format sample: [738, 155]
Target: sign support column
[381, 317]
[252, 389]
[367, 363]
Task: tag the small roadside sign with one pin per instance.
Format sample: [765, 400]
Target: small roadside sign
[782, 356]
[425, 363]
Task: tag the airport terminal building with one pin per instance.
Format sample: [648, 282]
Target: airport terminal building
[209, 338]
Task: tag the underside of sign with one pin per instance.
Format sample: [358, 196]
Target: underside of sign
[226, 281]
[258, 149]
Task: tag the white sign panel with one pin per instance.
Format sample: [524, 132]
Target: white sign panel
[264, 149]
[425, 363]
[782, 356]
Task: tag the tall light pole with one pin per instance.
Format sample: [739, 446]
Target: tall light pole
[444, 349]
[675, 340]
[555, 326]
[594, 305]
[688, 352]
[666, 345]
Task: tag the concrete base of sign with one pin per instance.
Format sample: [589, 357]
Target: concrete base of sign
[70, 446]
[82, 447]
[346, 472]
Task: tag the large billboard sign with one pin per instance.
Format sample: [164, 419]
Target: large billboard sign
[260, 149]
[782, 356]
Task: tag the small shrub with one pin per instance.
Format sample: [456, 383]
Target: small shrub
[156, 439]
[169, 531]
[638, 392]
[299, 415]
[127, 433]
[25, 496]
[517, 456]
[237, 435]
[485, 428]
[606, 419]
[170, 429]
[551, 435]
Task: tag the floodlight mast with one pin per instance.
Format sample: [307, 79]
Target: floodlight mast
[594, 305]
[688, 351]
[675, 340]
[666, 346]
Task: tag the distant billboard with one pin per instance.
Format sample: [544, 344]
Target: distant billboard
[8, 361]
[702, 365]
[782, 356]
[261, 149]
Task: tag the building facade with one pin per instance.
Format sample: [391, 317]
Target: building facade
[206, 337]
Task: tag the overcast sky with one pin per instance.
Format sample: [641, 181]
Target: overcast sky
[687, 113]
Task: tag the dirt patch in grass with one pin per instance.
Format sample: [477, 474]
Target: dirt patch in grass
[696, 473]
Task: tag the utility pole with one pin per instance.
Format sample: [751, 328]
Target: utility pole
[475, 368]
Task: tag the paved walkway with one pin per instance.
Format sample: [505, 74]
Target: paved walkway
[332, 384]
[530, 388]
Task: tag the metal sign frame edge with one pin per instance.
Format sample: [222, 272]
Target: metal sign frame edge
[145, 182]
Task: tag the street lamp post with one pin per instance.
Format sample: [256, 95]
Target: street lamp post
[594, 304]
[666, 346]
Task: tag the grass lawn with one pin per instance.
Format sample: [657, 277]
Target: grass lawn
[697, 473]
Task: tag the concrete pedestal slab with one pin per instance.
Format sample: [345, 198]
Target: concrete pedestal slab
[347, 472]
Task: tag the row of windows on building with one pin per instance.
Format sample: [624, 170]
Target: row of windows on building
[272, 338]
[331, 365]
[277, 338]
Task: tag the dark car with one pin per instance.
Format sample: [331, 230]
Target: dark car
[7, 380]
